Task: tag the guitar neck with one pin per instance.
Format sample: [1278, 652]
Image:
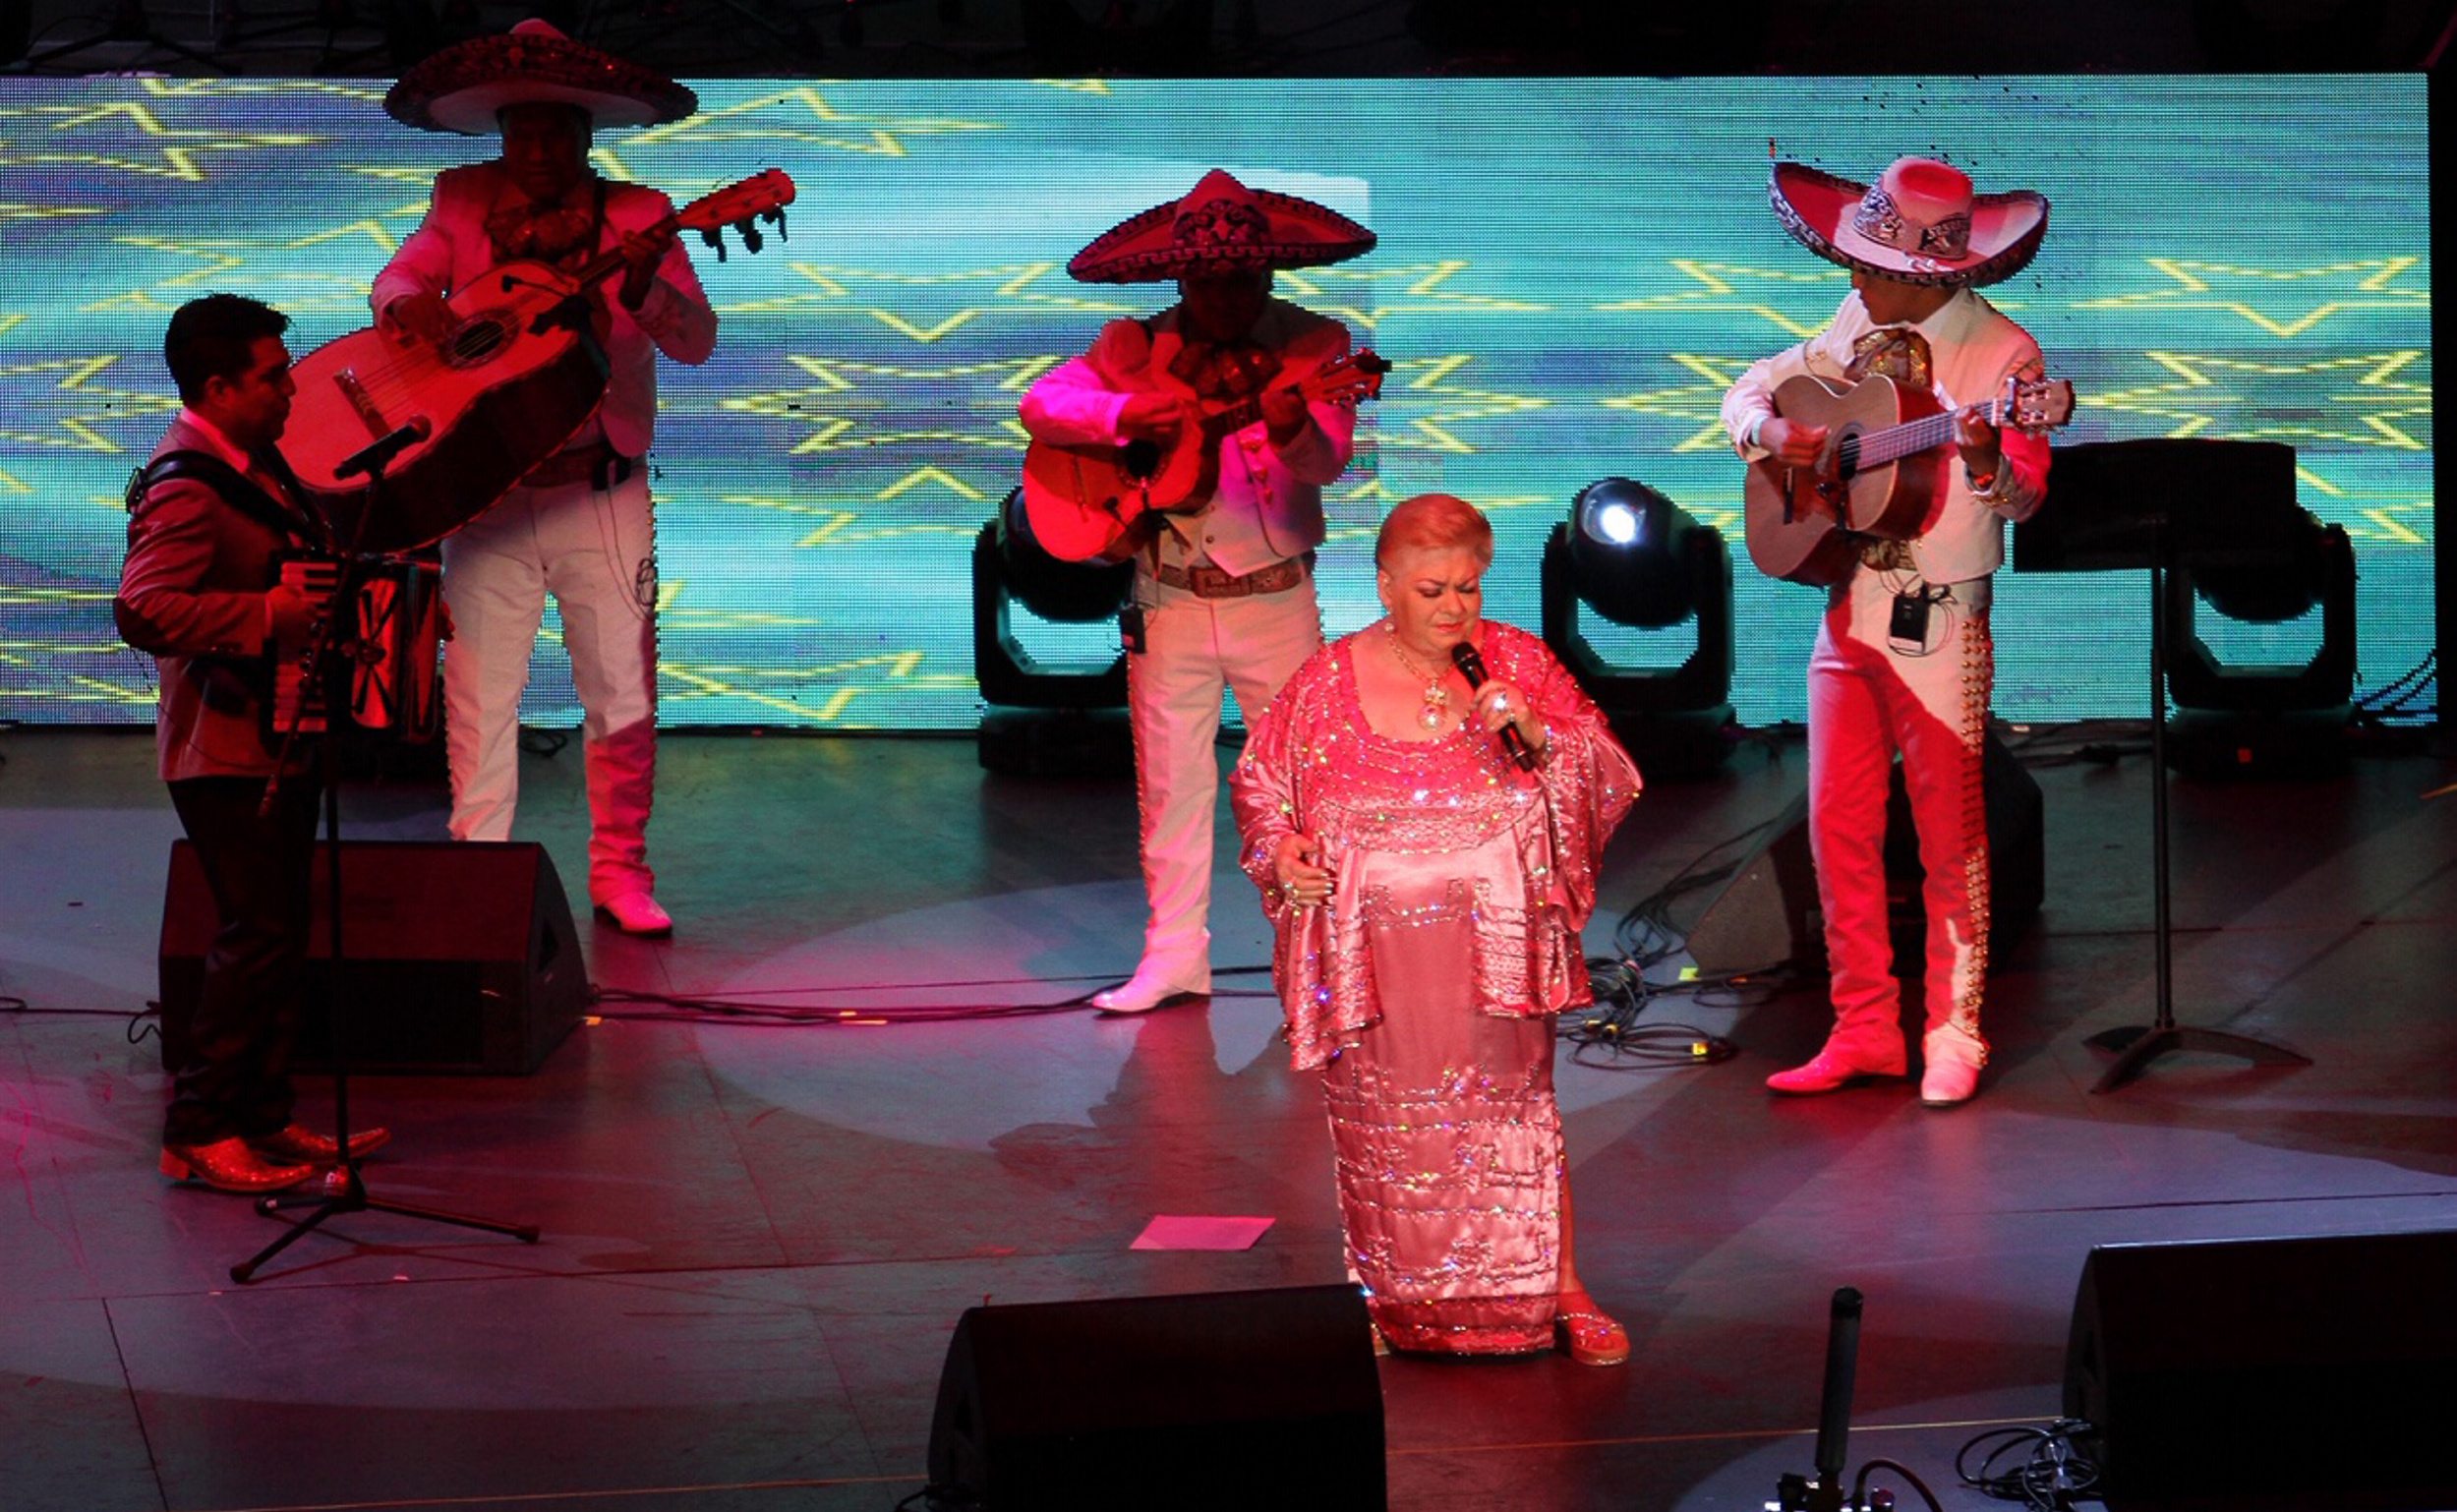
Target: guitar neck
[1237, 414]
[1349, 379]
[1912, 438]
[606, 261]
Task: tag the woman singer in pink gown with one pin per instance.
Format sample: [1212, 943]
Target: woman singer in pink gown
[1427, 887]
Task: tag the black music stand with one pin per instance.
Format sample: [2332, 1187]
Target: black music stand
[2160, 505]
[324, 663]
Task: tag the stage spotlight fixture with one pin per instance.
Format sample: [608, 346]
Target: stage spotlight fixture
[1065, 715]
[2286, 715]
[1639, 560]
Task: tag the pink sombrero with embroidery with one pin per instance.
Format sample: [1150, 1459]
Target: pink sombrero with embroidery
[1918, 223]
[1221, 224]
[463, 87]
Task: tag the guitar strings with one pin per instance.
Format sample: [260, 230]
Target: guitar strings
[1915, 436]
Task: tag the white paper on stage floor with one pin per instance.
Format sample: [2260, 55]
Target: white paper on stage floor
[1169, 1232]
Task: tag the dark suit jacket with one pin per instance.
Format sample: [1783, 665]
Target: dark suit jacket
[193, 593]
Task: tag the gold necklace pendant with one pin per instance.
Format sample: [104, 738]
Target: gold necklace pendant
[1435, 711]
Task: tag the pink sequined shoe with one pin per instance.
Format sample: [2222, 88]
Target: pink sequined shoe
[1585, 1334]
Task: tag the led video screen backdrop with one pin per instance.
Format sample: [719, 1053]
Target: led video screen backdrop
[1570, 273]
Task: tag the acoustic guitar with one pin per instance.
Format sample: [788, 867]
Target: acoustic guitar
[462, 419]
[1880, 472]
[1101, 502]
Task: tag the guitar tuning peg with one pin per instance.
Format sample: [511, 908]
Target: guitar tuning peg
[709, 234]
[749, 232]
[776, 218]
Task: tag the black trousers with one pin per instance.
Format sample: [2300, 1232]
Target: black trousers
[235, 1078]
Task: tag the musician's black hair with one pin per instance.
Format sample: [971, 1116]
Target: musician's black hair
[215, 337]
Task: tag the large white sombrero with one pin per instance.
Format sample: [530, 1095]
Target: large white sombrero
[463, 87]
[1221, 224]
[1918, 223]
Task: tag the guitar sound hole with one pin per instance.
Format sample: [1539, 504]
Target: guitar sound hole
[1141, 460]
[1847, 457]
[476, 342]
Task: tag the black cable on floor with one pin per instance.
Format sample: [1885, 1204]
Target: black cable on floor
[2052, 1474]
[9, 1005]
[656, 1007]
[1859, 1487]
[1609, 1035]
[668, 1008]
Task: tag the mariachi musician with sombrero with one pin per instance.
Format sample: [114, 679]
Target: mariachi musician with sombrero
[1223, 583]
[1904, 661]
[580, 524]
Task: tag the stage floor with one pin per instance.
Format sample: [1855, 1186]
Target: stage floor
[758, 1237]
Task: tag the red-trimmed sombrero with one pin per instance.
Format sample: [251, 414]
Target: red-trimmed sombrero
[461, 88]
[1221, 224]
[1918, 223]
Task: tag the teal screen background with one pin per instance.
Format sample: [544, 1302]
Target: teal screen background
[1570, 273]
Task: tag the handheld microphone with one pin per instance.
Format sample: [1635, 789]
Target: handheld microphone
[1472, 667]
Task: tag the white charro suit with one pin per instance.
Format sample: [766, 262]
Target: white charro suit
[1265, 510]
[589, 541]
[1871, 696]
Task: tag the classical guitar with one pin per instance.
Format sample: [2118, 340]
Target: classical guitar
[460, 420]
[1099, 504]
[1880, 472]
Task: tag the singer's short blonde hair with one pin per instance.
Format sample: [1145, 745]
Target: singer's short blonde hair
[1433, 521]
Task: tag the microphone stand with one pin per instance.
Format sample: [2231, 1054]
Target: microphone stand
[353, 1196]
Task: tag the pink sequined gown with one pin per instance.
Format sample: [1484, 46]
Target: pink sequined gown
[1425, 991]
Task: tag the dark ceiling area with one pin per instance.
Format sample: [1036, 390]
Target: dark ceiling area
[1244, 38]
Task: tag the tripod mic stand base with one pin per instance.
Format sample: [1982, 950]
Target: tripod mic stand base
[2138, 1045]
[353, 1198]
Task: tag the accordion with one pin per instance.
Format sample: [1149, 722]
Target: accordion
[380, 672]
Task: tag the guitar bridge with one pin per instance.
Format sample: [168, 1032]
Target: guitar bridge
[354, 393]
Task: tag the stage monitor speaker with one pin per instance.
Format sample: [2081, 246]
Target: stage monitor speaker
[2270, 1374]
[459, 956]
[1222, 1400]
[1768, 915]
